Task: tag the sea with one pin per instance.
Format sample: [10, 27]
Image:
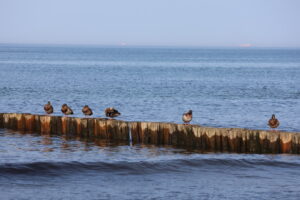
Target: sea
[225, 87]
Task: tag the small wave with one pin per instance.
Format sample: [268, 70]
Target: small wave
[141, 167]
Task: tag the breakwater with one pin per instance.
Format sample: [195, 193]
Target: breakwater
[189, 136]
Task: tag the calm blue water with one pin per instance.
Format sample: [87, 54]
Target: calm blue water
[224, 88]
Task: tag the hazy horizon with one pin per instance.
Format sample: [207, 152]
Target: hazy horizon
[232, 23]
[144, 46]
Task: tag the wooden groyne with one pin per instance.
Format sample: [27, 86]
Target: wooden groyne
[189, 136]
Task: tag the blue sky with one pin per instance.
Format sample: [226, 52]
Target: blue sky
[262, 23]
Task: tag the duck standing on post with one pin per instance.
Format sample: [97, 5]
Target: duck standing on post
[111, 112]
[273, 122]
[87, 111]
[187, 117]
[66, 109]
[48, 108]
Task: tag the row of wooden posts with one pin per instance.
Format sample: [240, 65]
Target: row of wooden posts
[187, 136]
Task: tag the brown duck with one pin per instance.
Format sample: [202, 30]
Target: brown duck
[111, 112]
[273, 122]
[66, 109]
[187, 117]
[48, 108]
[87, 111]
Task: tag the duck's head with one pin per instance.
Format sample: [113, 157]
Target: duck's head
[273, 116]
[190, 112]
[49, 102]
[64, 105]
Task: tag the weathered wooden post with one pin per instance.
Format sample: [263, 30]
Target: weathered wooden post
[20, 122]
[296, 144]
[90, 126]
[65, 125]
[10, 121]
[198, 136]
[72, 127]
[29, 122]
[167, 131]
[152, 131]
[45, 124]
[83, 123]
[110, 127]
[123, 130]
[285, 142]
[143, 134]
[101, 129]
[37, 124]
[1, 120]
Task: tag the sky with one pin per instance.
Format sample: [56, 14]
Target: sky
[229, 23]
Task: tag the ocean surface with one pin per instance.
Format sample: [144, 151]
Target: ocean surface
[225, 87]
[41, 167]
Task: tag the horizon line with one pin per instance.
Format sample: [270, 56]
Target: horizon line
[121, 45]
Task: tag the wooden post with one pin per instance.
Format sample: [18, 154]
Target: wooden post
[101, 127]
[91, 124]
[285, 142]
[37, 124]
[198, 136]
[296, 144]
[64, 125]
[123, 129]
[29, 122]
[1, 120]
[153, 132]
[20, 120]
[45, 124]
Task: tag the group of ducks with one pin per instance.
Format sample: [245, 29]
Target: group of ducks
[112, 112]
[86, 110]
[187, 117]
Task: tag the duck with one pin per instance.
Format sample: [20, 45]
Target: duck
[87, 111]
[111, 112]
[48, 108]
[187, 117]
[273, 122]
[66, 110]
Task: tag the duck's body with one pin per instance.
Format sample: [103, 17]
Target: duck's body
[66, 109]
[111, 112]
[187, 117]
[87, 111]
[273, 122]
[48, 108]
